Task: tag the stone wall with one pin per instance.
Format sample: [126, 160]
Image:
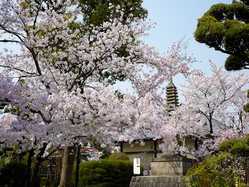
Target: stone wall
[157, 181]
[170, 166]
[167, 168]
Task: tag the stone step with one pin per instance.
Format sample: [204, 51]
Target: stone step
[156, 181]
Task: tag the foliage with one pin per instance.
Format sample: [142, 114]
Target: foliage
[13, 174]
[221, 170]
[105, 173]
[225, 27]
[96, 12]
[236, 146]
[118, 156]
[14, 166]
[224, 168]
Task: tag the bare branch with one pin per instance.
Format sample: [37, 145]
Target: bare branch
[10, 41]
[18, 69]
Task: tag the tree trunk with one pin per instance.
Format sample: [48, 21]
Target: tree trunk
[67, 168]
[77, 169]
[211, 126]
[29, 167]
[35, 182]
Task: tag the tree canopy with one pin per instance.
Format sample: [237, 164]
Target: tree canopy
[96, 12]
[225, 28]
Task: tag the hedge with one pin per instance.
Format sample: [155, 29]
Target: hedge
[118, 156]
[13, 174]
[105, 173]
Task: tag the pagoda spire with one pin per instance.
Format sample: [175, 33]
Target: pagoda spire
[171, 96]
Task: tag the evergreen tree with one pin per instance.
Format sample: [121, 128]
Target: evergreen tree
[225, 28]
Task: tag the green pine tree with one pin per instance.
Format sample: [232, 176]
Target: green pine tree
[225, 28]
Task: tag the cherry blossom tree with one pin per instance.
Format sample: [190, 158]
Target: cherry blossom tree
[212, 110]
[59, 78]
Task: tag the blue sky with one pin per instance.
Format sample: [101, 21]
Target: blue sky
[176, 20]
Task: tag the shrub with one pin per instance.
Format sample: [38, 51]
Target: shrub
[207, 173]
[13, 174]
[118, 156]
[237, 146]
[223, 169]
[105, 173]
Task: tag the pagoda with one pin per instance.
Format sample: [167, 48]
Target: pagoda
[171, 97]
